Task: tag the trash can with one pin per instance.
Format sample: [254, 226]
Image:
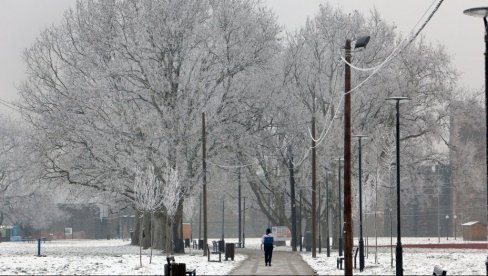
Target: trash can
[108, 237]
[307, 241]
[175, 269]
[179, 245]
[187, 243]
[229, 250]
[222, 246]
[200, 244]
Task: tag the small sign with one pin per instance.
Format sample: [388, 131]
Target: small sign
[281, 233]
[68, 231]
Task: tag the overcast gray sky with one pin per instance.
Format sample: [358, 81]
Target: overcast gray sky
[22, 20]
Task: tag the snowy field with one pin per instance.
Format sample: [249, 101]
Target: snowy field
[117, 257]
[416, 261]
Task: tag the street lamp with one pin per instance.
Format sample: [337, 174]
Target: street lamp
[447, 230]
[239, 205]
[327, 242]
[483, 13]
[399, 257]
[361, 42]
[319, 220]
[454, 224]
[340, 205]
[269, 207]
[300, 219]
[244, 222]
[361, 241]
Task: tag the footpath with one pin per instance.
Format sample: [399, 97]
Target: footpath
[282, 263]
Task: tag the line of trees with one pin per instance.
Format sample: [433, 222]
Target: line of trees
[118, 87]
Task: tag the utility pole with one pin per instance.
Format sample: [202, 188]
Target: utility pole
[319, 219]
[223, 210]
[244, 223]
[204, 166]
[269, 207]
[327, 241]
[314, 185]
[293, 203]
[200, 218]
[348, 241]
[300, 220]
[340, 206]
[361, 241]
[239, 202]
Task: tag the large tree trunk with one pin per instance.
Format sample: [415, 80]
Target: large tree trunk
[179, 244]
[146, 231]
[335, 227]
[137, 228]
[158, 230]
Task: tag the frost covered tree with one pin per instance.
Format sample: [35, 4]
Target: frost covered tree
[149, 198]
[22, 200]
[311, 82]
[121, 83]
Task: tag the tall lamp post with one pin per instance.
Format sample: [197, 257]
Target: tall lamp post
[447, 228]
[300, 219]
[327, 242]
[483, 13]
[340, 205]
[244, 222]
[319, 220]
[399, 256]
[361, 42]
[239, 207]
[454, 224]
[361, 241]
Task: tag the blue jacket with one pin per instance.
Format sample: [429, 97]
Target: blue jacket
[267, 239]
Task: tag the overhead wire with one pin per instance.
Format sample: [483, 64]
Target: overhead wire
[9, 105]
[400, 47]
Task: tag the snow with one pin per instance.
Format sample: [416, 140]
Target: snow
[118, 257]
[101, 257]
[416, 261]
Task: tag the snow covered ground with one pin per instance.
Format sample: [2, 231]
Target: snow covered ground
[416, 261]
[117, 257]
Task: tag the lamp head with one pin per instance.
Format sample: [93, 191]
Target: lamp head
[359, 136]
[477, 12]
[361, 42]
[398, 98]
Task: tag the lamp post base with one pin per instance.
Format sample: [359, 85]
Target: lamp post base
[340, 246]
[399, 260]
[361, 254]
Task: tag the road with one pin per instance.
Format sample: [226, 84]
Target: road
[283, 263]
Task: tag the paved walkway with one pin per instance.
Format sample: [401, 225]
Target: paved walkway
[283, 263]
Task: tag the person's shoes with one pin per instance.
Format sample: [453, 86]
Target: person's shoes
[266, 264]
[269, 264]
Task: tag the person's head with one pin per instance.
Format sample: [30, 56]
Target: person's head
[268, 231]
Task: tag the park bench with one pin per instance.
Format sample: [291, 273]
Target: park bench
[214, 252]
[438, 271]
[238, 244]
[27, 239]
[340, 259]
[171, 262]
[44, 239]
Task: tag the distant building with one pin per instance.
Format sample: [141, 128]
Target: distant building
[89, 221]
[474, 231]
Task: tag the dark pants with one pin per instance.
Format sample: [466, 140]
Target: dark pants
[268, 253]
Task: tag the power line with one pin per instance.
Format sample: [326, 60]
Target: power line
[401, 46]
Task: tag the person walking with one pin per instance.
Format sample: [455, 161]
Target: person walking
[267, 242]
